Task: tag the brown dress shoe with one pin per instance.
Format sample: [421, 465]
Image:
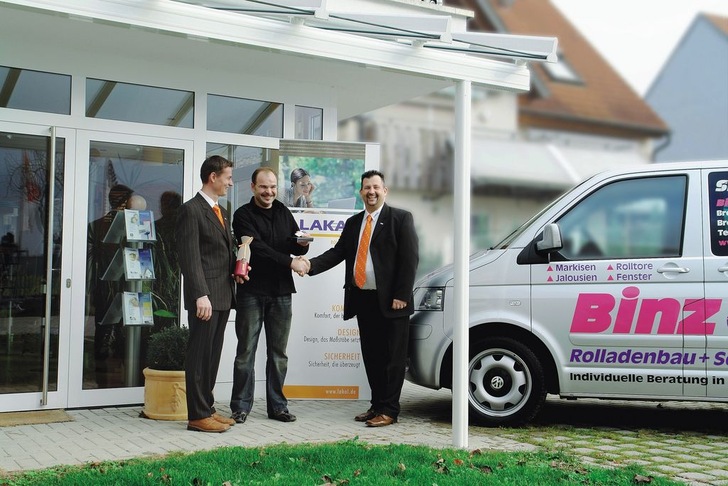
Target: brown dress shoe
[208, 424]
[223, 420]
[381, 421]
[368, 415]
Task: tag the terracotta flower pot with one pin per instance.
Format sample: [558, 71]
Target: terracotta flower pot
[165, 395]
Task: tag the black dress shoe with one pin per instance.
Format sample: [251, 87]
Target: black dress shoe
[239, 417]
[282, 416]
[368, 415]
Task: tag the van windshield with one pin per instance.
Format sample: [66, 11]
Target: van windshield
[508, 240]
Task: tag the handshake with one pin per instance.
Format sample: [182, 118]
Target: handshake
[300, 265]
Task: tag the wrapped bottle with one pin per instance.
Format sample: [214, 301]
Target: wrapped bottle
[243, 257]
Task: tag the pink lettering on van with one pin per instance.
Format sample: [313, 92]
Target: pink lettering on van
[594, 313]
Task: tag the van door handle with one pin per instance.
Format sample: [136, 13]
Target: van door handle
[724, 268]
[672, 269]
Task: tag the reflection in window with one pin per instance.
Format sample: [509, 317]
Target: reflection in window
[124, 176]
[245, 160]
[309, 123]
[136, 103]
[636, 218]
[248, 117]
[480, 237]
[24, 260]
[23, 89]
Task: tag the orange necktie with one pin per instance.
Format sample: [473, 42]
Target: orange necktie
[217, 210]
[360, 266]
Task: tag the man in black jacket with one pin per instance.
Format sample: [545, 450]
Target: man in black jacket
[265, 301]
[381, 254]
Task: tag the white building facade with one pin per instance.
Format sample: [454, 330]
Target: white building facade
[130, 95]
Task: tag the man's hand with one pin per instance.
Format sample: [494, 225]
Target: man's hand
[398, 304]
[204, 308]
[241, 279]
[300, 265]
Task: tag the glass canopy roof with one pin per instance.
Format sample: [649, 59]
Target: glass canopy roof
[432, 31]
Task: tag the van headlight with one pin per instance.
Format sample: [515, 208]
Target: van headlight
[429, 298]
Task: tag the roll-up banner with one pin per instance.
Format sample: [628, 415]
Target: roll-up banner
[320, 183]
[324, 355]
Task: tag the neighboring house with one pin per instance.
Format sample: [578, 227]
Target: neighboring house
[579, 118]
[691, 93]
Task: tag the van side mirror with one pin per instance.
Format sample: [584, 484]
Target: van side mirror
[540, 251]
[551, 240]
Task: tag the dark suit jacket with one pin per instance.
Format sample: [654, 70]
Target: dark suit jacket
[394, 252]
[206, 255]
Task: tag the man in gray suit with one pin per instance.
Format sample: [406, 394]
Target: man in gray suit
[207, 258]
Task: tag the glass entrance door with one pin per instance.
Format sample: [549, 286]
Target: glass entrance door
[118, 172]
[33, 357]
[60, 345]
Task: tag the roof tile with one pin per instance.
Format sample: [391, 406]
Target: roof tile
[604, 103]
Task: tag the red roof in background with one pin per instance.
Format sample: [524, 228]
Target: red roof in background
[720, 22]
[603, 104]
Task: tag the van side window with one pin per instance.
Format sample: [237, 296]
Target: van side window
[634, 218]
[718, 204]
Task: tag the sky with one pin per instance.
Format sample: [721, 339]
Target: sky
[636, 36]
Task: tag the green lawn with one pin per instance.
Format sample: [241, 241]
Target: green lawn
[341, 463]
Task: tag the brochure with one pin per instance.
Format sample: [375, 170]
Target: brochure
[139, 225]
[138, 308]
[138, 264]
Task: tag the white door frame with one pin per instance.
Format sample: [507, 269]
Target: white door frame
[77, 396]
[59, 397]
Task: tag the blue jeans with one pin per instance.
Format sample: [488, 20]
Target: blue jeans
[253, 313]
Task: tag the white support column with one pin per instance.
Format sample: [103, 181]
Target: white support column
[463, 143]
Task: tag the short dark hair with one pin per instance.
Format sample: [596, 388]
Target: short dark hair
[214, 163]
[259, 170]
[368, 174]
[169, 201]
[119, 194]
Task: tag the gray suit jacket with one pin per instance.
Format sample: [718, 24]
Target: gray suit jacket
[206, 255]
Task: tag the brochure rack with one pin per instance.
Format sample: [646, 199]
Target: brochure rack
[133, 232]
[134, 262]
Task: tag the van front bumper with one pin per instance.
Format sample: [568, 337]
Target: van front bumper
[427, 346]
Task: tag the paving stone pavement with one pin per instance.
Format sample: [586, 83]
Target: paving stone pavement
[684, 442]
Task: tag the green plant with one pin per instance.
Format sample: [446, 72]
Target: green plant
[166, 349]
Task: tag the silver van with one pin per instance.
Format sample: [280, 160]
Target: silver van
[615, 291]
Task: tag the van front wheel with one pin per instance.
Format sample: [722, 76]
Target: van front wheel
[506, 382]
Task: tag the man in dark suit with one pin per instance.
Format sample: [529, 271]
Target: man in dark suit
[380, 248]
[206, 251]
